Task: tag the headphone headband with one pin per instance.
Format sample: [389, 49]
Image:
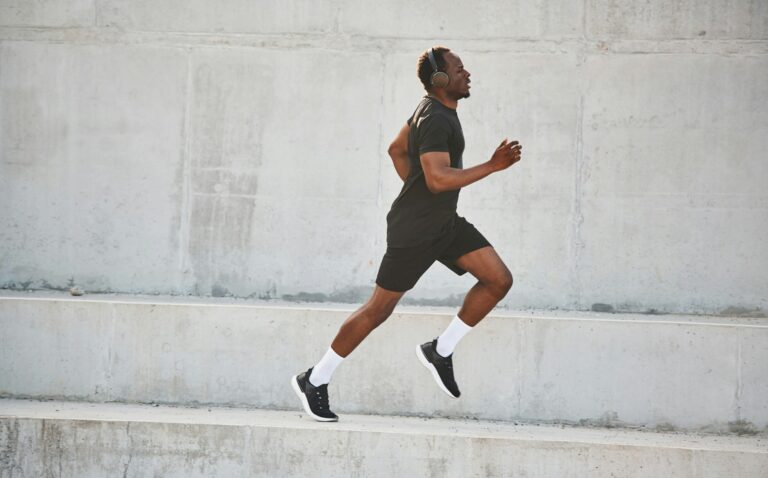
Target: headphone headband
[438, 78]
[432, 61]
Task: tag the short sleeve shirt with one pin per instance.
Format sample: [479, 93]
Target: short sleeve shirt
[418, 215]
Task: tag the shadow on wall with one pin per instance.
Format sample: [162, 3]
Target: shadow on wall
[356, 295]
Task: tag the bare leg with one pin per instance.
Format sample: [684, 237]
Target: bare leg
[362, 322]
[493, 282]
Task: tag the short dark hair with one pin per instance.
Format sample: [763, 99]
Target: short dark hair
[424, 67]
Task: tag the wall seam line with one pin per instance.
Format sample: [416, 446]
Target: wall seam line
[186, 195]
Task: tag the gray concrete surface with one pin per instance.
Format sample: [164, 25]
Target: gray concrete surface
[239, 150]
[656, 372]
[83, 440]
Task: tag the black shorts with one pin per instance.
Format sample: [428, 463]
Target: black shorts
[402, 267]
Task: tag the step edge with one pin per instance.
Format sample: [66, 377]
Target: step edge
[573, 316]
[445, 427]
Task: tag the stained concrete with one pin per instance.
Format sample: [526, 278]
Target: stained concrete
[48, 13]
[93, 440]
[657, 19]
[176, 148]
[233, 16]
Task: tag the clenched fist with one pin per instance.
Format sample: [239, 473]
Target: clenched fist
[507, 154]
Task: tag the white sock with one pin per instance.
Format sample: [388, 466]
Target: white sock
[446, 343]
[321, 373]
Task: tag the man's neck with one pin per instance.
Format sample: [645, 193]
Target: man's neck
[443, 98]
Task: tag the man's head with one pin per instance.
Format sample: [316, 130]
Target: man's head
[450, 63]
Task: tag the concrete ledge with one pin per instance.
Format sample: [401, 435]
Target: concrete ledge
[662, 372]
[95, 440]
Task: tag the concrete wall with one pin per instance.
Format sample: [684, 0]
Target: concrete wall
[69, 439]
[238, 148]
[629, 370]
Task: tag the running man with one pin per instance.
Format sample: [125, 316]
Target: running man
[423, 227]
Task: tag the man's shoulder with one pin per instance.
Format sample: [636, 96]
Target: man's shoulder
[437, 114]
[434, 117]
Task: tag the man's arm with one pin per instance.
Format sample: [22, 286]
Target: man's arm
[398, 151]
[440, 176]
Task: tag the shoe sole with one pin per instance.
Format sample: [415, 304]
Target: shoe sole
[431, 368]
[305, 403]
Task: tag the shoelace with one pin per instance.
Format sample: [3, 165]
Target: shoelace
[321, 400]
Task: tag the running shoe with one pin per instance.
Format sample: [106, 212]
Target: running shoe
[313, 399]
[441, 367]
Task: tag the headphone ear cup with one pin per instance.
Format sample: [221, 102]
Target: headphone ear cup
[440, 79]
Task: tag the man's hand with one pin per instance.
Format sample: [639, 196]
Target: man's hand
[507, 154]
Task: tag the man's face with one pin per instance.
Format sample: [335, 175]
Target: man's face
[458, 88]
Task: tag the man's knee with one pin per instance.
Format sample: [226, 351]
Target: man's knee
[500, 283]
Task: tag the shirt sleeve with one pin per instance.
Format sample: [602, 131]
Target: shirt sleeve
[433, 134]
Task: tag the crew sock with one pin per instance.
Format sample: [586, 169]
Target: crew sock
[446, 343]
[321, 373]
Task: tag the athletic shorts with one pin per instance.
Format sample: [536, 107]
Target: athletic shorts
[402, 267]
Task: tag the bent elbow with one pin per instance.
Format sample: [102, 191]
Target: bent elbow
[394, 150]
[433, 186]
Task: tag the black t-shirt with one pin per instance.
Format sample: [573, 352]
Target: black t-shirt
[418, 215]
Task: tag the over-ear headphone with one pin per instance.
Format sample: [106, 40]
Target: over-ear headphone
[438, 78]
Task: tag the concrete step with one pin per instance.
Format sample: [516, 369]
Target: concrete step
[659, 372]
[76, 439]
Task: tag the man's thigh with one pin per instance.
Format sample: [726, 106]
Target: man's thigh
[484, 264]
[402, 267]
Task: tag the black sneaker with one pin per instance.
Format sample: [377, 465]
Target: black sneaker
[314, 399]
[441, 367]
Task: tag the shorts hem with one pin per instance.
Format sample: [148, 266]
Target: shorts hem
[394, 289]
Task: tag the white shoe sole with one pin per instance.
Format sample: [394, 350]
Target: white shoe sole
[431, 368]
[305, 403]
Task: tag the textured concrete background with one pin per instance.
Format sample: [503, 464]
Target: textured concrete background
[87, 440]
[690, 373]
[239, 147]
